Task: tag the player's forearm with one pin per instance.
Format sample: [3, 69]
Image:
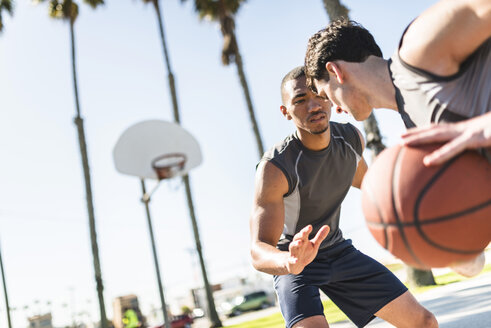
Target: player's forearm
[268, 259]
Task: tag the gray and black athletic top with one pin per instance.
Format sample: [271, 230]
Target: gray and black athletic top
[424, 98]
[318, 181]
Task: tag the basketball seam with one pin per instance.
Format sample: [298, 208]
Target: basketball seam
[417, 204]
[438, 219]
[400, 226]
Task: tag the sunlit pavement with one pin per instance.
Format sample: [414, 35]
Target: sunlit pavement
[462, 304]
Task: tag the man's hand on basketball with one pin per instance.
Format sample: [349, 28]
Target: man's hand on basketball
[469, 134]
[302, 250]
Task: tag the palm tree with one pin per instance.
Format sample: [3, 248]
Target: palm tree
[416, 277]
[223, 12]
[8, 6]
[67, 10]
[5, 293]
[214, 319]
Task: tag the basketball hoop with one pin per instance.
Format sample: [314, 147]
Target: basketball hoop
[168, 165]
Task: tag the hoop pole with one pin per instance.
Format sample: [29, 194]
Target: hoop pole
[147, 196]
[146, 201]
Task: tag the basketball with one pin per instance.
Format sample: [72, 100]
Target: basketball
[428, 217]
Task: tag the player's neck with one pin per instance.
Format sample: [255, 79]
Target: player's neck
[314, 142]
[378, 83]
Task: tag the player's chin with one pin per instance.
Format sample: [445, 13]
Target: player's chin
[320, 130]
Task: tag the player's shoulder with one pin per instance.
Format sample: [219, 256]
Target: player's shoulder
[348, 134]
[279, 161]
[342, 128]
[283, 148]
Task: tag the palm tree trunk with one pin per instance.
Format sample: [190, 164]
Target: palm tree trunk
[170, 75]
[5, 292]
[88, 189]
[417, 277]
[214, 319]
[336, 10]
[374, 139]
[250, 108]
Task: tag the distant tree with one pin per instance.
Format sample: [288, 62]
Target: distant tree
[7, 6]
[8, 309]
[214, 318]
[67, 10]
[223, 12]
[415, 277]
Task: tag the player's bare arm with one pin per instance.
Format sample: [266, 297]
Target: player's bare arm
[266, 225]
[441, 38]
[362, 165]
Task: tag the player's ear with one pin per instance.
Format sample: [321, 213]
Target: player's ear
[335, 71]
[285, 113]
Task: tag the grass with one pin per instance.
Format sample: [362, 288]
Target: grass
[332, 312]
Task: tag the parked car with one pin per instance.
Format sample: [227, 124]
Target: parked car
[179, 321]
[248, 302]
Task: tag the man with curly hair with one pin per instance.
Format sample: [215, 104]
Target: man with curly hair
[439, 79]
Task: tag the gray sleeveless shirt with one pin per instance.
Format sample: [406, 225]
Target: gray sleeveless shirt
[318, 181]
[424, 98]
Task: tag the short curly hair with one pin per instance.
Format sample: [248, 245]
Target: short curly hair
[342, 39]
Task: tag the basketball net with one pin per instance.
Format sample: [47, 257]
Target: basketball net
[166, 167]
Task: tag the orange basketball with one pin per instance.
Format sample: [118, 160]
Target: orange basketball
[428, 216]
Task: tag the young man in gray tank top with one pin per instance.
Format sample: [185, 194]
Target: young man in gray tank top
[295, 236]
[441, 72]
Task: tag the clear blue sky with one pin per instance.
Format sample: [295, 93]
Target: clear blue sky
[43, 220]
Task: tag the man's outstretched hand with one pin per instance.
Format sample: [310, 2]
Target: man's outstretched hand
[302, 250]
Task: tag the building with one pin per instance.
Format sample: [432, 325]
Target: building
[41, 321]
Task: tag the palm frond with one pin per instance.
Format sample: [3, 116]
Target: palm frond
[8, 6]
[214, 9]
[94, 3]
[63, 9]
[66, 9]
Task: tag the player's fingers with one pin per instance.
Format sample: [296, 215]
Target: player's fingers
[296, 247]
[446, 152]
[321, 235]
[422, 130]
[304, 233]
[417, 130]
[429, 136]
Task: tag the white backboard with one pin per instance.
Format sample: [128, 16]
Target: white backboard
[141, 143]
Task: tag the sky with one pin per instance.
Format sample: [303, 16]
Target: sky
[122, 80]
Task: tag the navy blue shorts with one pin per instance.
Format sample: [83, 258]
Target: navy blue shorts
[356, 283]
